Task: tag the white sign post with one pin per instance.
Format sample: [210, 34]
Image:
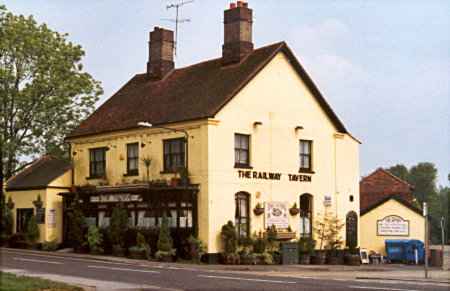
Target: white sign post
[425, 214]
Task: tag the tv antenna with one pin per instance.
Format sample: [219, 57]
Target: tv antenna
[177, 20]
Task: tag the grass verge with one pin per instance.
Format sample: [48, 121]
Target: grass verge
[10, 282]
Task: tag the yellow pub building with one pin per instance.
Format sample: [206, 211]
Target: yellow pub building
[245, 137]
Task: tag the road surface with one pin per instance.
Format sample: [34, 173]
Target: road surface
[168, 277]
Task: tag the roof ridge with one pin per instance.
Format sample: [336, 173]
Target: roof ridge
[395, 177]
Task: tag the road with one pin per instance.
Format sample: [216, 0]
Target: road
[125, 276]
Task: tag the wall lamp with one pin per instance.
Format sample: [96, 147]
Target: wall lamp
[297, 128]
[257, 123]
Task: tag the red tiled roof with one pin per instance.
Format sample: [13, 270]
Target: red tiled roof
[195, 92]
[39, 174]
[381, 185]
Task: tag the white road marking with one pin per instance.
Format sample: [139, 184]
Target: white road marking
[37, 261]
[381, 288]
[247, 279]
[122, 269]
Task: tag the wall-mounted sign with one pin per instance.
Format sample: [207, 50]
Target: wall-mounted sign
[327, 200]
[51, 218]
[116, 198]
[393, 225]
[40, 215]
[277, 214]
[272, 176]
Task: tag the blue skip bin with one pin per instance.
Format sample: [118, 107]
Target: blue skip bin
[404, 250]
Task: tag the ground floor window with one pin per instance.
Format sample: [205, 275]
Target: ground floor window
[23, 215]
[242, 217]
[306, 201]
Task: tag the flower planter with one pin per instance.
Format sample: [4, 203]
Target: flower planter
[285, 235]
[258, 211]
[294, 211]
[319, 259]
[352, 260]
[138, 254]
[333, 260]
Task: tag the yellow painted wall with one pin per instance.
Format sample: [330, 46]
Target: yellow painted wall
[369, 238]
[116, 159]
[50, 199]
[279, 99]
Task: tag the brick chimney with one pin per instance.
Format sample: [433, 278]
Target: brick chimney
[238, 33]
[161, 48]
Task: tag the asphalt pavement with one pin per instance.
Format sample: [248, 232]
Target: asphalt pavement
[126, 276]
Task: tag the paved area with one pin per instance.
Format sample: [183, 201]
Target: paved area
[104, 273]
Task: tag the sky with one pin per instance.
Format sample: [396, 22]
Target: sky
[383, 65]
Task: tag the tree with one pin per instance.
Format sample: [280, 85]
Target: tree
[400, 171]
[44, 91]
[423, 177]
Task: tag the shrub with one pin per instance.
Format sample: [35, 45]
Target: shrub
[77, 226]
[50, 246]
[141, 250]
[165, 243]
[260, 244]
[94, 240]
[197, 248]
[119, 225]
[306, 246]
[32, 234]
[229, 238]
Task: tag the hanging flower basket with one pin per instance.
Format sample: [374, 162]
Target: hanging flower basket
[258, 210]
[38, 202]
[294, 210]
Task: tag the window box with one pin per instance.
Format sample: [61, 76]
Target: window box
[285, 235]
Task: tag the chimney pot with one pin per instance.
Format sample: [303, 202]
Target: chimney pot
[232, 5]
[240, 4]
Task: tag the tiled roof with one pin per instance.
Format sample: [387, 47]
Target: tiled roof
[195, 92]
[39, 174]
[381, 185]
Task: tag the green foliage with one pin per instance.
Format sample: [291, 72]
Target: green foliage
[119, 225]
[50, 246]
[400, 171]
[306, 246]
[10, 282]
[141, 250]
[198, 249]
[229, 238]
[165, 243]
[7, 221]
[45, 92]
[76, 225]
[328, 230]
[32, 230]
[260, 244]
[94, 240]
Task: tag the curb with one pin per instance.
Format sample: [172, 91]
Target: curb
[404, 280]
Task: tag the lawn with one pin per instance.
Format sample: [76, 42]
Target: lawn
[10, 282]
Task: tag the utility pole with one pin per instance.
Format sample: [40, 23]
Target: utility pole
[177, 19]
[425, 214]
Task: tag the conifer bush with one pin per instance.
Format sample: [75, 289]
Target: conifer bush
[32, 230]
[165, 244]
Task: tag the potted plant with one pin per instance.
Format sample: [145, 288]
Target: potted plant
[94, 240]
[334, 240]
[76, 226]
[321, 230]
[258, 210]
[147, 163]
[196, 248]
[352, 256]
[230, 242]
[294, 210]
[38, 202]
[306, 247]
[165, 252]
[184, 176]
[141, 250]
[118, 228]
